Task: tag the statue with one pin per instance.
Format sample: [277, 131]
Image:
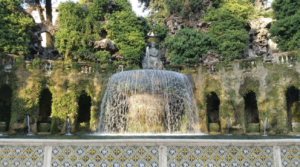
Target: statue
[152, 58]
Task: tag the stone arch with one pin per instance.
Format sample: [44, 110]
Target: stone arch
[251, 112]
[293, 108]
[213, 112]
[45, 110]
[5, 107]
[84, 112]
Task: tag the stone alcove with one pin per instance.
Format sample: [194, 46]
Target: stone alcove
[84, 112]
[251, 112]
[293, 108]
[5, 107]
[212, 110]
[45, 108]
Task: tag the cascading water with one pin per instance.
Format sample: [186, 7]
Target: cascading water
[68, 127]
[28, 125]
[149, 101]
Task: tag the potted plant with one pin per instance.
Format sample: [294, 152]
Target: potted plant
[44, 127]
[253, 127]
[83, 126]
[214, 127]
[2, 126]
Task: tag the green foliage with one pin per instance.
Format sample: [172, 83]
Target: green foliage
[78, 29]
[174, 6]
[158, 11]
[160, 31]
[188, 44]
[285, 30]
[15, 26]
[229, 28]
[125, 29]
[249, 85]
[102, 56]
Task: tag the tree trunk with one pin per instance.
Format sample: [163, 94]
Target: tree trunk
[39, 9]
[49, 11]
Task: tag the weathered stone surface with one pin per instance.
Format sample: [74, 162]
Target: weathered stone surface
[105, 44]
[259, 44]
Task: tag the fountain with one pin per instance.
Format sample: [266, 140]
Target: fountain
[149, 101]
[228, 127]
[28, 125]
[68, 127]
[266, 126]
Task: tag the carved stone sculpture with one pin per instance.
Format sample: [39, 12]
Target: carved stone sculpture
[152, 58]
[259, 44]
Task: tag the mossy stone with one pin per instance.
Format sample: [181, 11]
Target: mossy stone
[44, 127]
[214, 127]
[2, 126]
[296, 126]
[253, 127]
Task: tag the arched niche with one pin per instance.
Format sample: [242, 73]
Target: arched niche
[5, 107]
[213, 113]
[84, 112]
[293, 108]
[45, 108]
[251, 112]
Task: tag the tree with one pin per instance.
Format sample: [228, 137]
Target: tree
[80, 28]
[229, 26]
[188, 44]
[285, 31]
[157, 10]
[125, 29]
[15, 27]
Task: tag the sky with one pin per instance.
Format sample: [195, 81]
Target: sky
[136, 6]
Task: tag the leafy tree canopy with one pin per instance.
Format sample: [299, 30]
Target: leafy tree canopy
[125, 29]
[79, 28]
[188, 44]
[285, 30]
[229, 27]
[15, 27]
[157, 10]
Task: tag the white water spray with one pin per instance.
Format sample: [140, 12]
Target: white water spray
[148, 101]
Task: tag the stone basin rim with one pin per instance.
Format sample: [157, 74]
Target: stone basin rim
[166, 142]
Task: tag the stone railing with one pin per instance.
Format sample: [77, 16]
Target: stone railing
[86, 68]
[48, 66]
[247, 64]
[8, 61]
[285, 58]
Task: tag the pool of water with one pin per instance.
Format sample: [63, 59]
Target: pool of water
[102, 137]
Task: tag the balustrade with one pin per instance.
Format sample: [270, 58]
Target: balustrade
[287, 58]
[8, 61]
[48, 67]
[86, 69]
[248, 64]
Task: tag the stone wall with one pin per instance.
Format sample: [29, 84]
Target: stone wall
[269, 82]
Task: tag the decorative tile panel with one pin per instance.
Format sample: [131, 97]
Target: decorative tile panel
[19, 156]
[220, 156]
[290, 155]
[105, 156]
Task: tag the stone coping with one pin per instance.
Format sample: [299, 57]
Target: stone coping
[152, 142]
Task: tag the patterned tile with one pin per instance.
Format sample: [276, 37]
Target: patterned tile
[105, 156]
[220, 156]
[290, 155]
[19, 156]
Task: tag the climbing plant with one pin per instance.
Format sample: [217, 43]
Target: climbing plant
[188, 44]
[285, 30]
[15, 27]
